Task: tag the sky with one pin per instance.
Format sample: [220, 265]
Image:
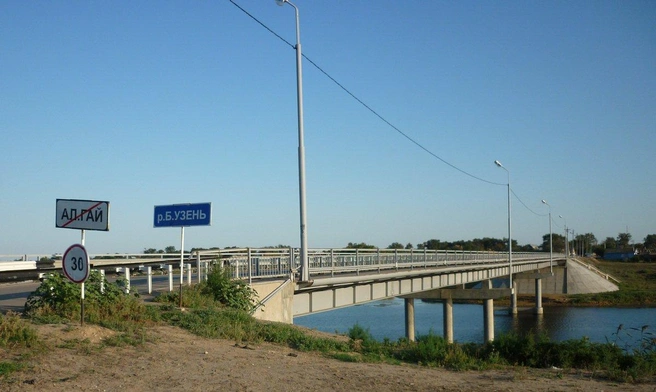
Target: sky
[164, 102]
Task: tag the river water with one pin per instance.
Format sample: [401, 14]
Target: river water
[386, 319]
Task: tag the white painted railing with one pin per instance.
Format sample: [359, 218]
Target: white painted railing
[258, 263]
[263, 263]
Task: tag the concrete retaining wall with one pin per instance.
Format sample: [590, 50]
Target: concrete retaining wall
[573, 278]
[581, 280]
[279, 306]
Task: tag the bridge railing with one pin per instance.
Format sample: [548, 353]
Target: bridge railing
[260, 263]
[266, 263]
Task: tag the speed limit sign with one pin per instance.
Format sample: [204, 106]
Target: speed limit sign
[76, 263]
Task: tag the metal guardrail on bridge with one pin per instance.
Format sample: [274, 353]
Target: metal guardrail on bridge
[258, 263]
[269, 263]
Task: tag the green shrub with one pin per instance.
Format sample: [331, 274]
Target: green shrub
[233, 293]
[59, 300]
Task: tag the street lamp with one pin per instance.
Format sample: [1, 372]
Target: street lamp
[566, 238]
[550, 238]
[305, 270]
[509, 227]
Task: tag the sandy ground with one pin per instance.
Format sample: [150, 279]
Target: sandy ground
[176, 360]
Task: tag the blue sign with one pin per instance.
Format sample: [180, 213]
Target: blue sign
[182, 215]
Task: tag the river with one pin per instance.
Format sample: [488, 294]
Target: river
[386, 319]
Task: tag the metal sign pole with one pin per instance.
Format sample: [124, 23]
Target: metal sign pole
[181, 261]
[82, 285]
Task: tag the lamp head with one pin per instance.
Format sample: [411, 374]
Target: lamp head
[544, 202]
[281, 2]
[498, 163]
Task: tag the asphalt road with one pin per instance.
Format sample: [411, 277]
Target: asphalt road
[14, 295]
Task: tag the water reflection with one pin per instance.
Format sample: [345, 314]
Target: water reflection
[385, 319]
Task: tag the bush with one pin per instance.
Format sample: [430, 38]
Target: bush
[57, 299]
[233, 293]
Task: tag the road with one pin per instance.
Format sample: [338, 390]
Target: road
[14, 295]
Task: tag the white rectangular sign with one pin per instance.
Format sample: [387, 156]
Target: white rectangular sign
[82, 214]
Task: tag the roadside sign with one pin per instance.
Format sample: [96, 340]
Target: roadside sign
[82, 214]
[183, 215]
[76, 263]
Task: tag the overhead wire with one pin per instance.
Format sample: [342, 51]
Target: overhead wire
[375, 113]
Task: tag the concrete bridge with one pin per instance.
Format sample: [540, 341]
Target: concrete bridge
[347, 277]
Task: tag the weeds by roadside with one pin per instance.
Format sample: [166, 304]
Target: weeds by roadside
[16, 335]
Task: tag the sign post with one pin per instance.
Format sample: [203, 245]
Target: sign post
[75, 265]
[182, 215]
[81, 215]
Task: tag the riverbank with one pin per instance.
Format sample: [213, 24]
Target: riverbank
[80, 359]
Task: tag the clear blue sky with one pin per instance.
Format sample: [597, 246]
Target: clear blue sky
[165, 102]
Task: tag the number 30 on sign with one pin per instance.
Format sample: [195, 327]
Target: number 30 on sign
[76, 263]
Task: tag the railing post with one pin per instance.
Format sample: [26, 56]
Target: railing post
[332, 262]
[396, 259]
[357, 270]
[412, 259]
[378, 258]
[149, 272]
[127, 279]
[198, 266]
[102, 281]
[170, 277]
[425, 257]
[188, 274]
[249, 266]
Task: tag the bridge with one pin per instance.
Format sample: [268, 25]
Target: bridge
[346, 277]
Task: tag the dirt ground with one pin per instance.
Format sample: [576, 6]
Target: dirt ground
[175, 360]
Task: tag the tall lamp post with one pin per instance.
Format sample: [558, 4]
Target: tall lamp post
[305, 270]
[566, 238]
[550, 238]
[509, 227]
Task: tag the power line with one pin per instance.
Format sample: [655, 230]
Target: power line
[375, 113]
[525, 206]
[361, 102]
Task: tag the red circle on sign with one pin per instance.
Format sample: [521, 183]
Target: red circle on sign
[76, 263]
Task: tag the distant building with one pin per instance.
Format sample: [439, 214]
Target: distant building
[619, 254]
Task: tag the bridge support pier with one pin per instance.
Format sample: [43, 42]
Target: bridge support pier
[538, 296]
[537, 276]
[513, 299]
[486, 293]
[410, 318]
[488, 315]
[447, 312]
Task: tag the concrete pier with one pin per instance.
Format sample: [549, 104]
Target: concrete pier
[447, 312]
[488, 316]
[538, 296]
[513, 299]
[410, 318]
[486, 293]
